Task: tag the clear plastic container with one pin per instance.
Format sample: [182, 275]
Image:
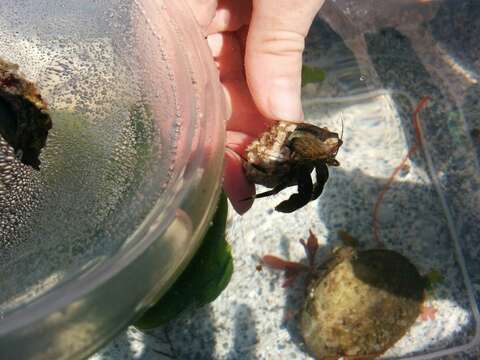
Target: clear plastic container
[130, 176]
[380, 58]
[392, 55]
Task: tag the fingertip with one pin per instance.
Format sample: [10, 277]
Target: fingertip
[245, 116]
[284, 99]
[235, 183]
[241, 207]
[273, 74]
[238, 142]
[203, 11]
[273, 55]
[230, 16]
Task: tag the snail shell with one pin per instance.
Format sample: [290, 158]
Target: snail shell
[362, 304]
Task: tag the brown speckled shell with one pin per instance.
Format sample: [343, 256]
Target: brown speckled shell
[267, 158]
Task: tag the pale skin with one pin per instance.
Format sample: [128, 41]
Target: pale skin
[257, 46]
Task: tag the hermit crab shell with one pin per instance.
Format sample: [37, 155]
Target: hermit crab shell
[24, 121]
[267, 157]
[362, 304]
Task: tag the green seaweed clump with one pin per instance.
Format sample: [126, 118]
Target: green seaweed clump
[204, 279]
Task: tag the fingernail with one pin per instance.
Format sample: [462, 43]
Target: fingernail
[285, 101]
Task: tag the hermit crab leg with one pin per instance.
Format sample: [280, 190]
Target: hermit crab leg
[304, 195]
[321, 170]
[274, 191]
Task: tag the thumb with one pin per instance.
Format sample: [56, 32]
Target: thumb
[273, 55]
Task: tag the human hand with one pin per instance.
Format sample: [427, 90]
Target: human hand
[257, 46]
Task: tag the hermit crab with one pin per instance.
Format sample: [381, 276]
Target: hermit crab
[24, 120]
[358, 302]
[285, 155]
